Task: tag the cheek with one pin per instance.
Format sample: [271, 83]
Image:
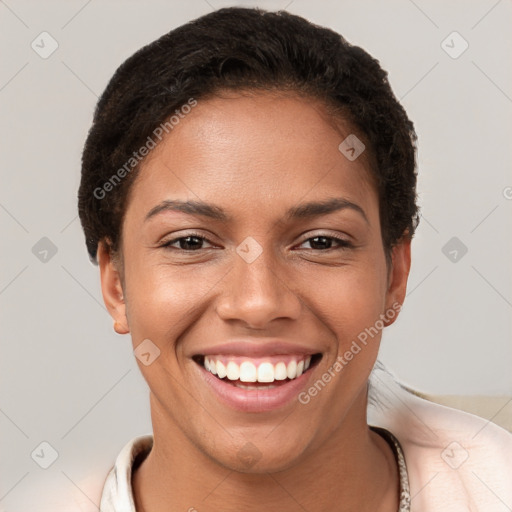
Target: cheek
[164, 300]
[348, 299]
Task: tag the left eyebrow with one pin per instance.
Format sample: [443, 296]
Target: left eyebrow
[315, 209]
[301, 211]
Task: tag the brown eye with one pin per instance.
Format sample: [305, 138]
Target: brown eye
[187, 243]
[322, 243]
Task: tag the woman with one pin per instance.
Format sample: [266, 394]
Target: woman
[249, 193]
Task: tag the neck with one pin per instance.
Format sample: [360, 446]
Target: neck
[354, 470]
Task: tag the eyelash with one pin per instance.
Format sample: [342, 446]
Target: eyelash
[342, 243]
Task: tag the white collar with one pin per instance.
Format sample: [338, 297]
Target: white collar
[455, 461]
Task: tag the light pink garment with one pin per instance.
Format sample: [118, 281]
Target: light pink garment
[456, 462]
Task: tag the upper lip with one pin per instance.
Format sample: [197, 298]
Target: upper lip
[257, 348]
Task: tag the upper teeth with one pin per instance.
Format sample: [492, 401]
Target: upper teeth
[247, 371]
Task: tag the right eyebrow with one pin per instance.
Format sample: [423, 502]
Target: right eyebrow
[191, 207]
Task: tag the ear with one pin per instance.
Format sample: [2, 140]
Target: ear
[111, 288]
[397, 278]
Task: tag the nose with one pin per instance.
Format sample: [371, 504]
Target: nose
[257, 293]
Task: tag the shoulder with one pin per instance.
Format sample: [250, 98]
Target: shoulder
[455, 460]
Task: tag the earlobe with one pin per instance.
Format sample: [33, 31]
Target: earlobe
[111, 288]
[121, 328]
[398, 275]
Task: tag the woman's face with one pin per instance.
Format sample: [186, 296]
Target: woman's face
[256, 279]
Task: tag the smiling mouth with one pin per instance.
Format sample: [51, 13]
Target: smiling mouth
[250, 373]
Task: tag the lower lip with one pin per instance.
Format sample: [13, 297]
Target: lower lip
[255, 400]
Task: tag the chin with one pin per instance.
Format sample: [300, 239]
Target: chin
[266, 451]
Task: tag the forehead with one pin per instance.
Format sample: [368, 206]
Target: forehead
[263, 149]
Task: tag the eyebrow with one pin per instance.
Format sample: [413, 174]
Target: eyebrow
[301, 211]
[317, 208]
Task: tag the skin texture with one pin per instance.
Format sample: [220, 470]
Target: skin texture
[255, 156]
